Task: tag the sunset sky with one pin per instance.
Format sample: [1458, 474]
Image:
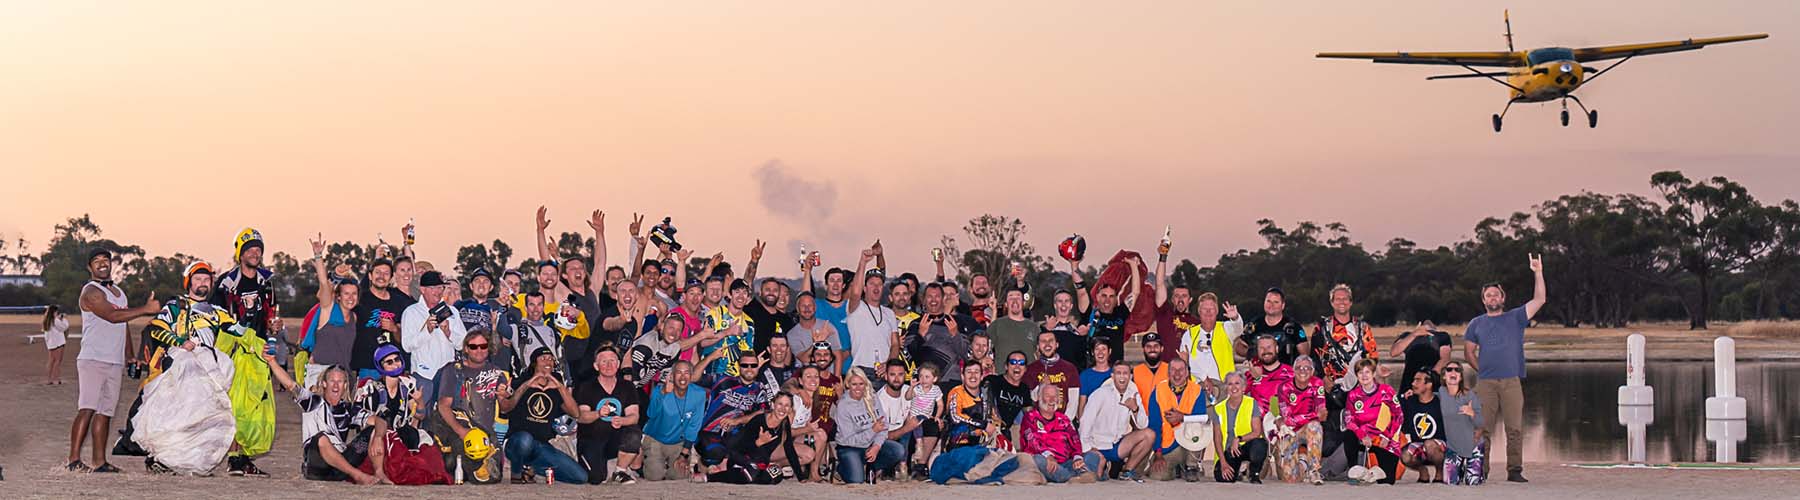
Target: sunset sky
[175, 124]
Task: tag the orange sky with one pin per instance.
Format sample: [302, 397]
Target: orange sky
[897, 120]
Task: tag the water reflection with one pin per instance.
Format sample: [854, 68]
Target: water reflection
[1571, 412]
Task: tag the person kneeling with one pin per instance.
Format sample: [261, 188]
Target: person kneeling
[536, 403]
[1238, 434]
[1052, 441]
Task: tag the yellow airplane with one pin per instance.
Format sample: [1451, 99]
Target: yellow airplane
[1540, 75]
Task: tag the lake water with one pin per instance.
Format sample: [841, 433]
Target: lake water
[1571, 412]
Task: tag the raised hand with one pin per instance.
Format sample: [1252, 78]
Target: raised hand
[718, 257]
[637, 224]
[318, 245]
[543, 218]
[1231, 311]
[1536, 261]
[681, 257]
[756, 252]
[876, 247]
[597, 222]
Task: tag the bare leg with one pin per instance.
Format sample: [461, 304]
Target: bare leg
[1136, 447]
[98, 430]
[78, 432]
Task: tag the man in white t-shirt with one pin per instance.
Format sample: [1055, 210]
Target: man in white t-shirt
[105, 350]
[874, 330]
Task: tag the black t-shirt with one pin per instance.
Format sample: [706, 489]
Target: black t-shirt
[1423, 420]
[1108, 326]
[768, 323]
[1009, 400]
[369, 311]
[592, 395]
[247, 296]
[1422, 354]
[535, 411]
[1289, 336]
[775, 376]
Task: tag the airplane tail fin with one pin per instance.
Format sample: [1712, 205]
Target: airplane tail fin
[1507, 15]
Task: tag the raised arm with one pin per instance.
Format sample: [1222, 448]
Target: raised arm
[1162, 285]
[543, 245]
[1538, 295]
[806, 270]
[597, 222]
[94, 301]
[1133, 286]
[756, 254]
[325, 287]
[854, 294]
[1081, 293]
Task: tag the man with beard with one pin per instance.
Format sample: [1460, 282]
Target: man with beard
[835, 307]
[735, 400]
[766, 317]
[810, 330]
[1174, 303]
[1106, 319]
[823, 358]
[1009, 393]
[378, 315]
[1495, 348]
[1052, 369]
[1153, 370]
[469, 396]
[574, 285]
[197, 338]
[940, 338]
[1267, 373]
[778, 364]
[534, 333]
[633, 312]
[652, 356]
[1288, 334]
[901, 295]
[244, 292]
[105, 350]
[1016, 331]
[729, 323]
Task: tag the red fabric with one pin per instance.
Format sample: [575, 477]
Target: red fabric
[407, 468]
[1143, 313]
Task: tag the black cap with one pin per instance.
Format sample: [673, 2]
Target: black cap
[739, 284]
[481, 272]
[1150, 337]
[432, 278]
[99, 252]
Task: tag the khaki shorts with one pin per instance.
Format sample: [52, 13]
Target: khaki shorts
[99, 382]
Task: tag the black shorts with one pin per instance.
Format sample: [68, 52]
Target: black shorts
[314, 467]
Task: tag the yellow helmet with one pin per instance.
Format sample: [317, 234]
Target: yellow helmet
[244, 239]
[476, 445]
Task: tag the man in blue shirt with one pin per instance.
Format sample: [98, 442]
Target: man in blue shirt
[1496, 348]
[677, 408]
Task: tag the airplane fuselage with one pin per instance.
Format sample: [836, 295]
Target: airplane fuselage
[1546, 81]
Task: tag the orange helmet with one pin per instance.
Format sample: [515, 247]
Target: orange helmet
[198, 267]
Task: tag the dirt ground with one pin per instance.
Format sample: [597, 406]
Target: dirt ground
[34, 443]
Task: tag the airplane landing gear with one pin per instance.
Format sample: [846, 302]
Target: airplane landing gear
[1593, 119]
[1565, 118]
[1592, 116]
[1502, 115]
[1496, 123]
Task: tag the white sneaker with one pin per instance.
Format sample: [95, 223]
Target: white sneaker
[1375, 474]
[1356, 473]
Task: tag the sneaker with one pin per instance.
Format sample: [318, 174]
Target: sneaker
[1255, 479]
[107, 469]
[521, 478]
[77, 466]
[249, 469]
[1190, 474]
[234, 466]
[1511, 477]
[622, 478]
[1131, 475]
[1356, 474]
[157, 468]
[1374, 475]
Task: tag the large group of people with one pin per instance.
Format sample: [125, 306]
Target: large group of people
[404, 374]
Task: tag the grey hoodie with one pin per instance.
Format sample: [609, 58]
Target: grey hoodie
[856, 422]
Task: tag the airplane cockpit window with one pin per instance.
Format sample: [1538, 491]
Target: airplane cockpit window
[1541, 56]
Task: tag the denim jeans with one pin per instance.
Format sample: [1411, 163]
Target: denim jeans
[1063, 472]
[524, 450]
[853, 469]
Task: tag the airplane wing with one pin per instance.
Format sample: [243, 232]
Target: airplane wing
[1586, 54]
[1501, 59]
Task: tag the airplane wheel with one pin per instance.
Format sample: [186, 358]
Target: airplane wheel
[1497, 123]
[1565, 118]
[1593, 118]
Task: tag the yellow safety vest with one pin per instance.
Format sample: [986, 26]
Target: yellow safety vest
[1241, 425]
[1220, 343]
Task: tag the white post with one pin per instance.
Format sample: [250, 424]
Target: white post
[1725, 412]
[1637, 402]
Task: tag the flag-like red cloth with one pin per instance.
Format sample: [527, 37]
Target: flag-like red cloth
[1115, 274]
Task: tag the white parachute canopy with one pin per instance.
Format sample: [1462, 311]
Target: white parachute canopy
[185, 421]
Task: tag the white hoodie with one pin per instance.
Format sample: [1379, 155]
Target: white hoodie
[1104, 421]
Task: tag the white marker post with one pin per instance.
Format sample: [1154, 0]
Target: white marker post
[1725, 412]
[1637, 402]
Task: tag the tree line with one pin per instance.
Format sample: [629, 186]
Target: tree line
[1699, 250]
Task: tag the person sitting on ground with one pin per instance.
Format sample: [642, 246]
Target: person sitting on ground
[1115, 425]
[538, 400]
[1238, 433]
[334, 431]
[677, 407]
[608, 433]
[1177, 401]
[1047, 434]
[466, 417]
[395, 402]
[863, 450]
[809, 438]
[748, 459]
[1465, 458]
[734, 401]
[971, 420]
[1424, 427]
[1372, 414]
[1299, 429]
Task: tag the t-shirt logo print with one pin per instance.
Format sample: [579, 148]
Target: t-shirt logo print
[538, 407]
[1425, 426]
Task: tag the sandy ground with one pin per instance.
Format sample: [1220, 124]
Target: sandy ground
[34, 443]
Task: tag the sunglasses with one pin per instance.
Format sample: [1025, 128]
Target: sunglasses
[476, 347]
[668, 271]
[1015, 362]
[1449, 369]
